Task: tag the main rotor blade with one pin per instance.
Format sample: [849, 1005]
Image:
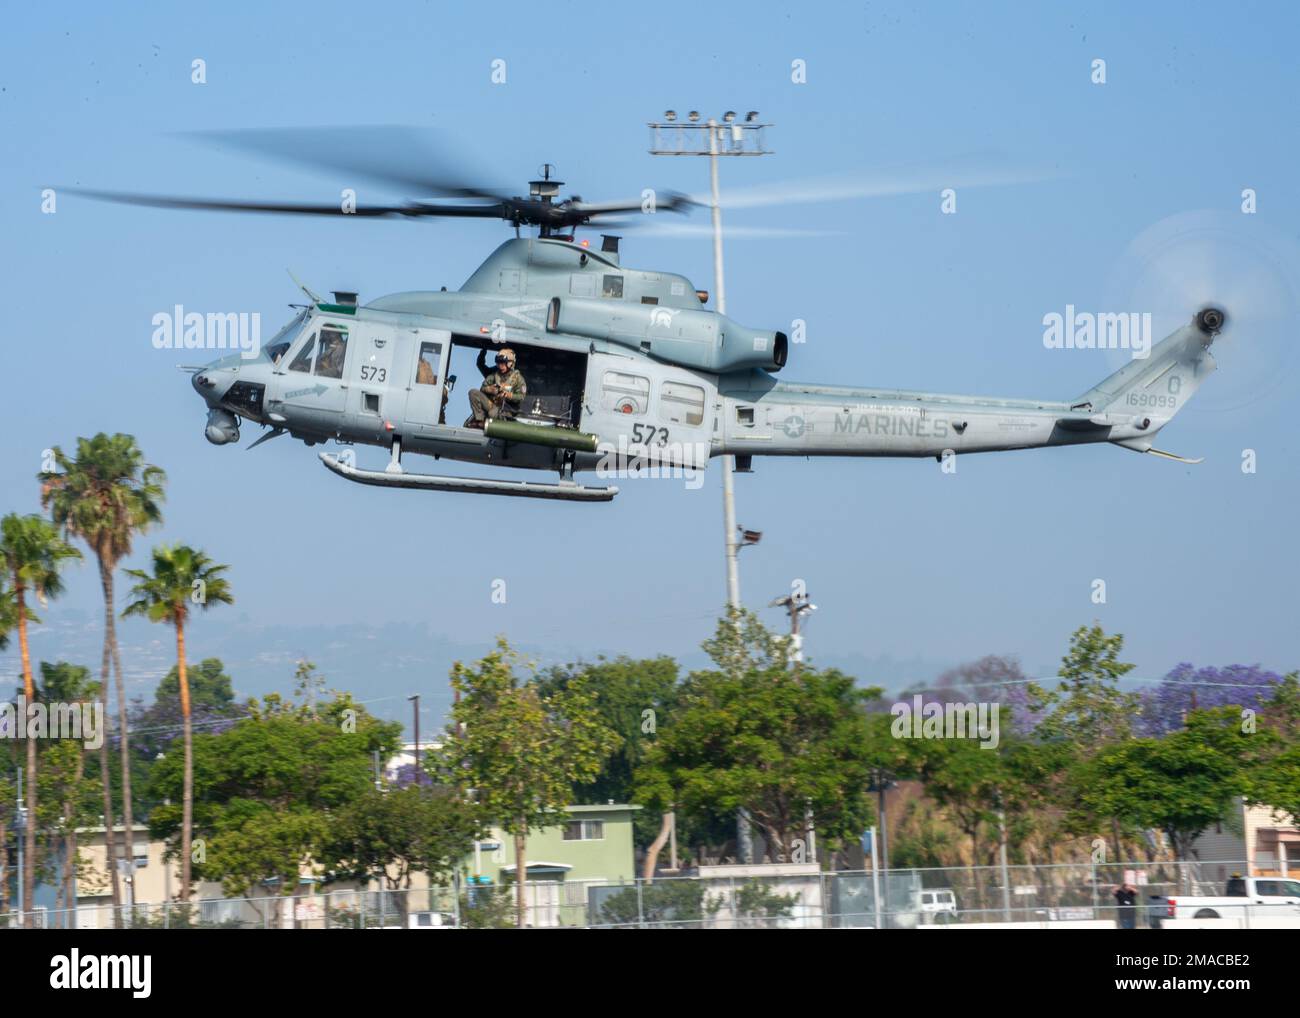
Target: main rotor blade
[667, 201]
[664, 230]
[878, 184]
[399, 157]
[407, 209]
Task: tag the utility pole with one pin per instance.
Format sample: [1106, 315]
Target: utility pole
[881, 782]
[731, 138]
[20, 831]
[1002, 862]
[875, 877]
[797, 604]
[415, 699]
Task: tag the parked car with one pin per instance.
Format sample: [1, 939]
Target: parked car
[1247, 897]
[937, 904]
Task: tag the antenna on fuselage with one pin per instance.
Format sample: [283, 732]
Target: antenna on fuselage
[313, 297]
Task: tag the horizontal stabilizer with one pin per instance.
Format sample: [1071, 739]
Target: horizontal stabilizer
[1172, 456]
[1095, 422]
[1144, 445]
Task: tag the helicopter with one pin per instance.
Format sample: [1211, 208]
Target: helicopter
[623, 367]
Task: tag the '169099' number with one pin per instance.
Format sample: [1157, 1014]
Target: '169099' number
[1149, 399]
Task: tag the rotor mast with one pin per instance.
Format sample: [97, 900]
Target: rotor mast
[544, 191]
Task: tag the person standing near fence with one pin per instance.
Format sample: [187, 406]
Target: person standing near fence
[1126, 899]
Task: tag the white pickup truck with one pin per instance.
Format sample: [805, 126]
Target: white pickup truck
[1248, 897]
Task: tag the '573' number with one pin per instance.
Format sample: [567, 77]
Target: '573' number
[648, 434]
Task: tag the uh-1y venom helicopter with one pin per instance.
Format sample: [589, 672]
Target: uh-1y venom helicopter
[621, 364]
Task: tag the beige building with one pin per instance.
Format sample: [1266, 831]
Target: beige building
[1268, 845]
[151, 881]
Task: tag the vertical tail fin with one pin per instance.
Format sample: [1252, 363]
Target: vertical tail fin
[1161, 384]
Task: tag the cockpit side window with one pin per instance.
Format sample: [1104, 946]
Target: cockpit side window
[303, 361]
[282, 340]
[333, 350]
[276, 351]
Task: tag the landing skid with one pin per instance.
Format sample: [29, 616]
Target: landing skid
[564, 490]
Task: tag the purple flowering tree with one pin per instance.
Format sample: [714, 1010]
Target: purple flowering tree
[1165, 706]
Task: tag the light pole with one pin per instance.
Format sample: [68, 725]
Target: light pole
[20, 831]
[798, 606]
[732, 137]
[415, 700]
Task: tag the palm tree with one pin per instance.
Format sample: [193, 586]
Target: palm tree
[182, 576]
[106, 496]
[32, 554]
[8, 622]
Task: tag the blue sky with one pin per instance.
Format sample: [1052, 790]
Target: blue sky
[906, 563]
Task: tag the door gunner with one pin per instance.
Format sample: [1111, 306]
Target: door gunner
[502, 392]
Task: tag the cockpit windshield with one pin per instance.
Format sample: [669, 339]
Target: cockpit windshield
[282, 340]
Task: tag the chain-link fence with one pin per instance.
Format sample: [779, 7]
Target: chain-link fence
[327, 909]
[788, 898]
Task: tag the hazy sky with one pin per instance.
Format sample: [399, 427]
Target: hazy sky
[903, 560]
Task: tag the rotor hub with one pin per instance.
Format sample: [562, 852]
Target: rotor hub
[1210, 320]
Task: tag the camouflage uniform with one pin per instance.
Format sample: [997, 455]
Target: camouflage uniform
[489, 402]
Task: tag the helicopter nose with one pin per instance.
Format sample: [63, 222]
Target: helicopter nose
[203, 383]
[213, 380]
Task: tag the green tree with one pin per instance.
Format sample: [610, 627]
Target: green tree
[967, 780]
[267, 789]
[1180, 783]
[390, 835]
[182, 578]
[105, 496]
[1275, 779]
[1085, 712]
[923, 838]
[667, 904]
[1087, 709]
[7, 794]
[8, 621]
[517, 751]
[779, 741]
[486, 908]
[632, 698]
[760, 907]
[64, 786]
[33, 556]
[160, 724]
[210, 686]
